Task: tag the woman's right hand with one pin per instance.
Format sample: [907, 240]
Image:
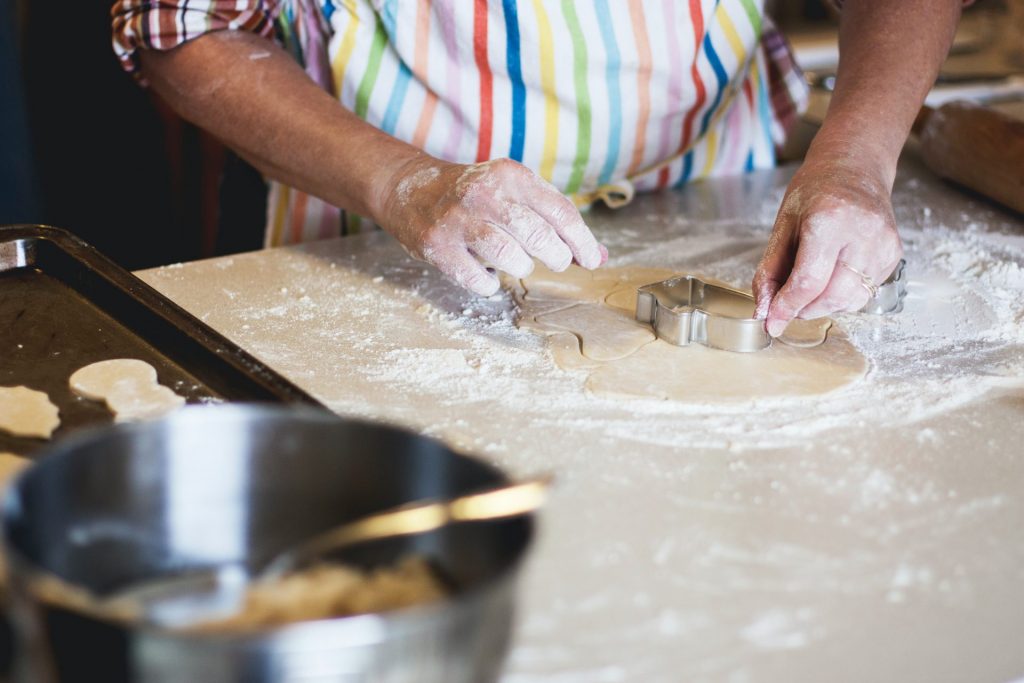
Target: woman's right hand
[497, 214]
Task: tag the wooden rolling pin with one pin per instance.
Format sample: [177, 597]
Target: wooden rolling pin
[977, 147]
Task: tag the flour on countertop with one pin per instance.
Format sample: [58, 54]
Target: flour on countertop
[784, 517]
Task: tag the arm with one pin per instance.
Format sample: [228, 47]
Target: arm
[251, 94]
[838, 206]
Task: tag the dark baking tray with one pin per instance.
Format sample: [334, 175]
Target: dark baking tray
[63, 305]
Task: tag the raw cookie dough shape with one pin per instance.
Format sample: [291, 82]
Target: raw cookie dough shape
[690, 374]
[99, 380]
[10, 466]
[805, 334]
[129, 387]
[605, 333]
[27, 412]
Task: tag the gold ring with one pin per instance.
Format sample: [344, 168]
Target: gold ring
[865, 280]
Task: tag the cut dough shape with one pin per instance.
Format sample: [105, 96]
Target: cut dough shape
[623, 299]
[27, 412]
[805, 334]
[10, 466]
[142, 402]
[99, 380]
[129, 387]
[621, 365]
[605, 333]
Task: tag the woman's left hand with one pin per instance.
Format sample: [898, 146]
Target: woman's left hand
[836, 223]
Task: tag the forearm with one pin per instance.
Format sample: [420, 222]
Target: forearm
[890, 53]
[252, 95]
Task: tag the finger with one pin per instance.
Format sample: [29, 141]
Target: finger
[496, 247]
[812, 270]
[775, 265]
[563, 216]
[536, 236]
[845, 292]
[461, 267]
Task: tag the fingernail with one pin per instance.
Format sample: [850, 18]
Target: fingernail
[776, 327]
[604, 254]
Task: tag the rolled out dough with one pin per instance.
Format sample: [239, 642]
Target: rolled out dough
[591, 327]
[129, 387]
[27, 412]
[604, 333]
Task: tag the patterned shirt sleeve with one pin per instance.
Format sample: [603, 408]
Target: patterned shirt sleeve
[165, 24]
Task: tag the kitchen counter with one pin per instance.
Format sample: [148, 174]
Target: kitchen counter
[870, 534]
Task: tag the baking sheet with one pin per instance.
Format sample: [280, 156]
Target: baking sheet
[64, 305]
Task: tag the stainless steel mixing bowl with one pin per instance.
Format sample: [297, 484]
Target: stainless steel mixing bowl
[230, 486]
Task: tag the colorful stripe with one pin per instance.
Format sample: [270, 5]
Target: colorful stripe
[579, 50]
[612, 70]
[675, 86]
[483, 150]
[421, 66]
[401, 84]
[764, 112]
[643, 77]
[720, 75]
[453, 78]
[753, 14]
[339, 65]
[639, 100]
[547, 83]
[697, 18]
[372, 71]
[515, 76]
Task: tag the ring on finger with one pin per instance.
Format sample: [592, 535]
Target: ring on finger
[865, 279]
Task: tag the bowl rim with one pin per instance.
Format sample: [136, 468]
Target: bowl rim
[27, 580]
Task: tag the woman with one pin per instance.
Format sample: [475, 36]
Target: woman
[427, 116]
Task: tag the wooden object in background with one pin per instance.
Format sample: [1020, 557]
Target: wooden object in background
[977, 147]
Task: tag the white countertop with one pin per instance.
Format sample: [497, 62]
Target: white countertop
[874, 534]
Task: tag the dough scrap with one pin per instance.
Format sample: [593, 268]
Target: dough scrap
[594, 335]
[579, 284]
[27, 412]
[129, 387]
[605, 333]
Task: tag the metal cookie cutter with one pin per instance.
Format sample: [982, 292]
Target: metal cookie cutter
[686, 309]
[891, 293]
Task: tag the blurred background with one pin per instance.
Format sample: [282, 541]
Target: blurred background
[84, 148]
